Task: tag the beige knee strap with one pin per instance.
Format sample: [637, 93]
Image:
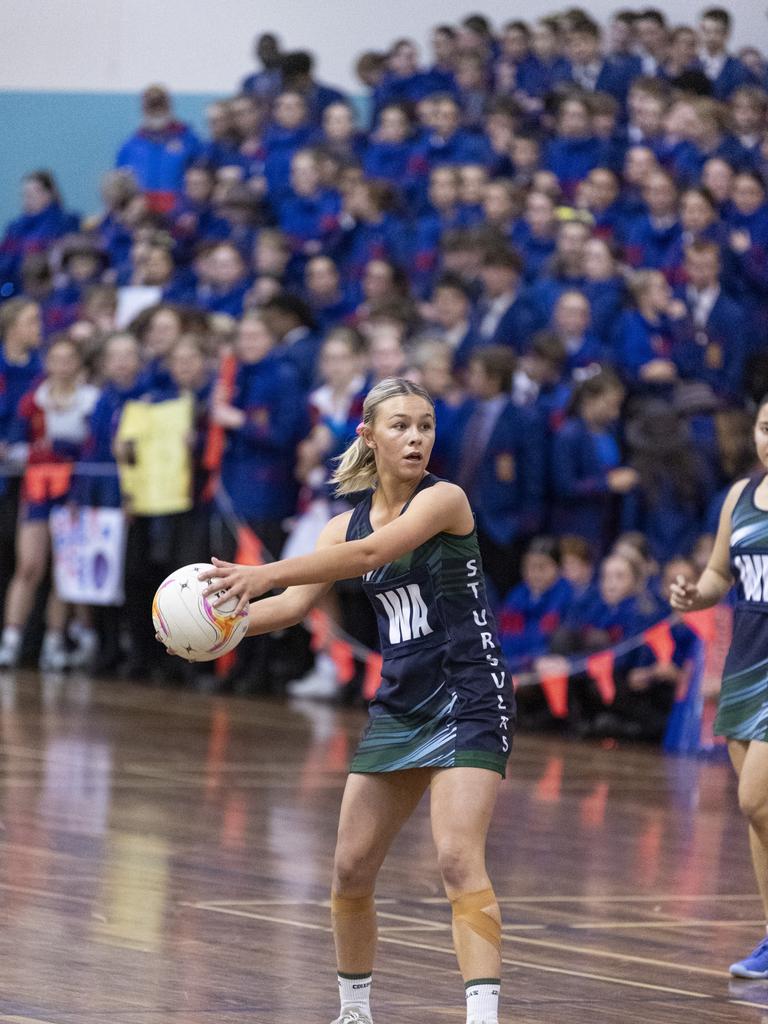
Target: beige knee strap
[471, 909]
[352, 906]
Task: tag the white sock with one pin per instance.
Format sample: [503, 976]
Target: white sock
[11, 637]
[355, 992]
[482, 1001]
[53, 638]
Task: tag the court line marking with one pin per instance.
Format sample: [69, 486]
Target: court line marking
[607, 979]
[683, 922]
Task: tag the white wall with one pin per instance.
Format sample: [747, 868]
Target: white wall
[204, 45]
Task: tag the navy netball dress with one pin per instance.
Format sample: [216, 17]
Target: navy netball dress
[743, 709]
[446, 697]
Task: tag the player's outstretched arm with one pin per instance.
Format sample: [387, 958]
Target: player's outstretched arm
[716, 580]
[442, 508]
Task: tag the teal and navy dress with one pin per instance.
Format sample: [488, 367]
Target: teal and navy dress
[446, 697]
[743, 709]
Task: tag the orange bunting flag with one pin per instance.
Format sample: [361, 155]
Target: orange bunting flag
[341, 655]
[555, 690]
[320, 628]
[600, 668]
[216, 439]
[372, 679]
[702, 623]
[249, 547]
[659, 639]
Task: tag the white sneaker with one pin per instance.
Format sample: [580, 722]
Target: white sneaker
[54, 656]
[320, 683]
[9, 655]
[86, 645]
[352, 1017]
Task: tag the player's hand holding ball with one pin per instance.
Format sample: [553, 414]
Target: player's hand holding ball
[228, 581]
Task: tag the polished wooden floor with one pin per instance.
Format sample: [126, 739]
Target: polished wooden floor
[166, 856]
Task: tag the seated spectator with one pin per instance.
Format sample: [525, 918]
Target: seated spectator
[653, 234]
[642, 706]
[603, 287]
[503, 315]
[571, 323]
[612, 615]
[647, 104]
[192, 218]
[647, 337]
[565, 271]
[472, 86]
[472, 181]
[715, 352]
[652, 34]
[499, 462]
[578, 566]
[383, 285]
[541, 382]
[370, 229]
[747, 223]
[387, 354]
[290, 320]
[329, 301]
[682, 57]
[339, 133]
[158, 330]
[700, 222]
[574, 151]
[552, 68]
[724, 71]
[593, 72]
[452, 313]
[391, 152]
[501, 206]
[249, 119]
[747, 108]
[221, 148]
[536, 607]
[308, 214]
[534, 234]
[227, 283]
[160, 151]
[289, 131]
[42, 222]
[588, 473]
[602, 200]
[448, 142]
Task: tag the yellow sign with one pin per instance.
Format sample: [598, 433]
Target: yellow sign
[153, 451]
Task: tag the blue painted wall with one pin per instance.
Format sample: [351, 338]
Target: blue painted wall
[74, 134]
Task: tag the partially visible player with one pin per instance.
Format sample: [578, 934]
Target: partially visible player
[444, 715]
[740, 555]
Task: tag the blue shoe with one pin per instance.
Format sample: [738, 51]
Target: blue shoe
[753, 966]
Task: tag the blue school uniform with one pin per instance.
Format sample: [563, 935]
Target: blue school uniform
[280, 144]
[463, 147]
[230, 300]
[103, 490]
[671, 524]
[527, 621]
[15, 381]
[363, 241]
[535, 250]
[648, 245]
[615, 75]
[158, 159]
[30, 233]
[715, 352]
[732, 75]
[606, 302]
[505, 479]
[571, 160]
[257, 468]
[637, 341]
[582, 501]
[445, 698]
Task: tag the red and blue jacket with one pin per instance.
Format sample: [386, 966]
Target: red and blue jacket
[158, 159]
[527, 621]
[31, 233]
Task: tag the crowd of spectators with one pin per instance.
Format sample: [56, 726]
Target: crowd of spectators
[560, 230]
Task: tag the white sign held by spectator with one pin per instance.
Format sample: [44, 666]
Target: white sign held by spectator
[89, 554]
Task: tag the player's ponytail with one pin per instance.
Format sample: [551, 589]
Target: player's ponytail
[356, 470]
